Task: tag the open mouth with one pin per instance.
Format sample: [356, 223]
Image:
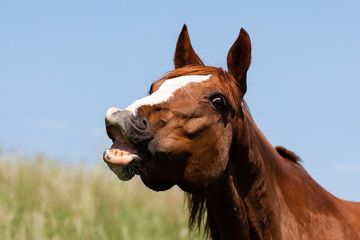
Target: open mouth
[121, 154]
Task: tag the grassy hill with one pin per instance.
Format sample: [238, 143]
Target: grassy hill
[43, 199]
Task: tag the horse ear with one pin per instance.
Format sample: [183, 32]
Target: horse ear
[239, 58]
[184, 53]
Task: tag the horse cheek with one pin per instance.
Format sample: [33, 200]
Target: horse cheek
[209, 160]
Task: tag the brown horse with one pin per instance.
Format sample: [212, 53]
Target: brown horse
[195, 131]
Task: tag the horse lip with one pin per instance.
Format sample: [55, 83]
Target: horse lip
[120, 171]
[118, 137]
[116, 133]
[125, 167]
[117, 125]
[109, 116]
[112, 120]
[122, 160]
[138, 158]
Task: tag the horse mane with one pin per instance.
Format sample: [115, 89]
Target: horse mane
[191, 70]
[285, 153]
[197, 208]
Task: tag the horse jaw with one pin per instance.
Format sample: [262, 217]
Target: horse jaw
[156, 184]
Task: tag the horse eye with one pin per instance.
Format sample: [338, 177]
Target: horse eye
[218, 102]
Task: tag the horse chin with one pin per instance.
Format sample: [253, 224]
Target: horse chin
[156, 184]
[124, 173]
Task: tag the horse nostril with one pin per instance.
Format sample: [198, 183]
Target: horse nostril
[140, 123]
[145, 124]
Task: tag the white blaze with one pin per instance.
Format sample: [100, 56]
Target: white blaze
[166, 91]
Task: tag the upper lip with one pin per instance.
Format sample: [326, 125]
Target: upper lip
[116, 134]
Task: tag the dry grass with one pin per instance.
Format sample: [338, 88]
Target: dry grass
[43, 199]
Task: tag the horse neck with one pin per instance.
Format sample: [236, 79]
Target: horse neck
[260, 195]
[246, 205]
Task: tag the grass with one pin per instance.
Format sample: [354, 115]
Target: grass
[43, 199]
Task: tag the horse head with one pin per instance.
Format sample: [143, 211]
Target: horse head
[183, 132]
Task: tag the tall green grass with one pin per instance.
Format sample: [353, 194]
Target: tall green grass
[44, 199]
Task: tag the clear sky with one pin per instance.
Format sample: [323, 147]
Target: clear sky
[64, 63]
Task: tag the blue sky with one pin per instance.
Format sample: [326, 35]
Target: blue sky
[64, 63]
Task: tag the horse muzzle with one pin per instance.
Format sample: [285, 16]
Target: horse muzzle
[130, 136]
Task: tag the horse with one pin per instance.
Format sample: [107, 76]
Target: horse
[194, 130]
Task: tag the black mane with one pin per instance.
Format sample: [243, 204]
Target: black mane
[285, 153]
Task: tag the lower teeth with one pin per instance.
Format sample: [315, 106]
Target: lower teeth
[124, 153]
[119, 153]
